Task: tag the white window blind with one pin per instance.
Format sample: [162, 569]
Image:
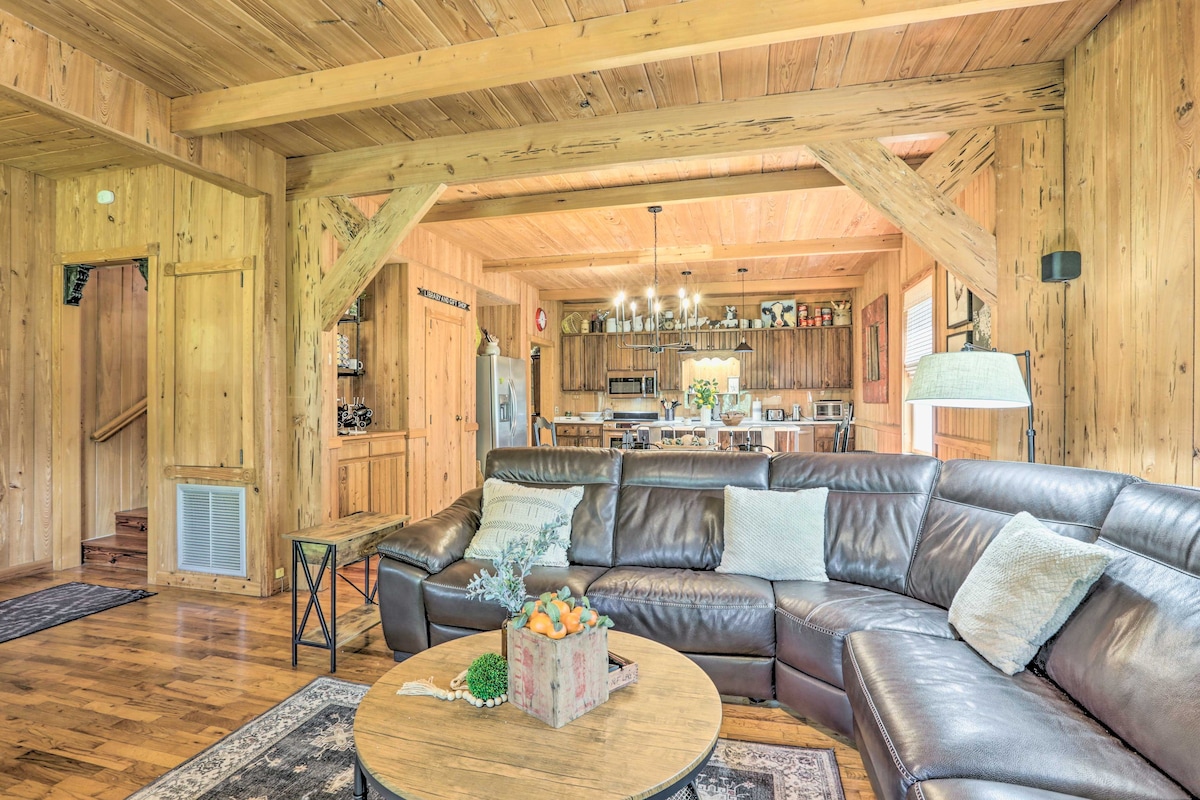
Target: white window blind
[918, 333]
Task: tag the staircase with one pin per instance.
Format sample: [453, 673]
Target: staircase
[126, 548]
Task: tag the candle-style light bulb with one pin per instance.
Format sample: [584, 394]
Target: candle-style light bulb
[682, 293]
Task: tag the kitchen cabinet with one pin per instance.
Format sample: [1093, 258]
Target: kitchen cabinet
[823, 437]
[790, 358]
[575, 435]
[371, 474]
[583, 363]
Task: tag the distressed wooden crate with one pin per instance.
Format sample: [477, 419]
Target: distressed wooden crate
[557, 680]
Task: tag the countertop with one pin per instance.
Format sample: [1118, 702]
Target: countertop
[694, 422]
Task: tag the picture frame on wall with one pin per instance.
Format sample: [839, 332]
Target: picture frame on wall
[955, 341]
[959, 309]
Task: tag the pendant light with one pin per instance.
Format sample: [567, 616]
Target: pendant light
[688, 348]
[744, 347]
[654, 306]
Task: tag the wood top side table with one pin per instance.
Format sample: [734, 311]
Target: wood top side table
[326, 548]
[648, 741]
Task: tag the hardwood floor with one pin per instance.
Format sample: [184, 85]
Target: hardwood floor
[99, 707]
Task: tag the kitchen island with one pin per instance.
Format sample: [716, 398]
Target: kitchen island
[805, 435]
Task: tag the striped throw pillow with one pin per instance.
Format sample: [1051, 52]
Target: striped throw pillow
[514, 511]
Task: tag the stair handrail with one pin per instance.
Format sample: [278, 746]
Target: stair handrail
[118, 423]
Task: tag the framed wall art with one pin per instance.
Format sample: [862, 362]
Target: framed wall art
[875, 351]
[958, 302]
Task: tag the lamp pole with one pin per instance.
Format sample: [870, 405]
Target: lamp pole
[1030, 433]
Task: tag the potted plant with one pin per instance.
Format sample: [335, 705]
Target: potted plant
[556, 645]
[704, 397]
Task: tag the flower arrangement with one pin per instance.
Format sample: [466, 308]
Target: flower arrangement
[513, 564]
[704, 393]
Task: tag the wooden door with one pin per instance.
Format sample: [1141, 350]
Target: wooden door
[450, 451]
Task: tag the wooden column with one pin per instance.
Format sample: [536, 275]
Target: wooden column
[1029, 224]
[306, 368]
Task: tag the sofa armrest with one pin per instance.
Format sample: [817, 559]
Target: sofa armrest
[437, 542]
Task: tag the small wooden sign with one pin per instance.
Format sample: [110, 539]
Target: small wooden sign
[557, 680]
[441, 298]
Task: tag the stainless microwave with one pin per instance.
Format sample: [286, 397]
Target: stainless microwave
[829, 409]
[636, 383]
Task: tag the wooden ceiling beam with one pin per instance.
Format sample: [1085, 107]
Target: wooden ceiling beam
[375, 243]
[342, 218]
[918, 208]
[699, 253]
[705, 130]
[667, 193]
[783, 286]
[959, 160]
[698, 27]
[48, 76]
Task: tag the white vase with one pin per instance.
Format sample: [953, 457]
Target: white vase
[637, 325]
[705, 415]
[610, 325]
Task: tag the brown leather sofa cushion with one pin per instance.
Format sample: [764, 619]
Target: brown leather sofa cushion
[1131, 653]
[446, 601]
[672, 507]
[691, 611]
[874, 513]
[812, 621]
[929, 708]
[954, 789]
[597, 470]
[973, 500]
[436, 542]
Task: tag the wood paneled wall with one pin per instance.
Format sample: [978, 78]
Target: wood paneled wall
[1131, 211]
[114, 361]
[879, 424]
[26, 397]
[215, 411]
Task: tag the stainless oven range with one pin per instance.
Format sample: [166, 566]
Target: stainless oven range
[627, 429]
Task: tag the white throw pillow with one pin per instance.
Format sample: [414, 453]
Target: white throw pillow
[513, 511]
[775, 535]
[1021, 591]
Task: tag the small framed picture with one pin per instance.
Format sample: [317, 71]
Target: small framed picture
[958, 302]
[956, 341]
[778, 313]
[735, 384]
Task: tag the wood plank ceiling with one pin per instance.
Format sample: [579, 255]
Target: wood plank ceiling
[39, 143]
[188, 46]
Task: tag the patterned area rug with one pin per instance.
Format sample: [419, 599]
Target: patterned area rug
[303, 749]
[38, 611]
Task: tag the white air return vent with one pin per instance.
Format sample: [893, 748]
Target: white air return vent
[212, 529]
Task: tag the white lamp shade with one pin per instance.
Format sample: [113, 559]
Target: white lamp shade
[970, 379]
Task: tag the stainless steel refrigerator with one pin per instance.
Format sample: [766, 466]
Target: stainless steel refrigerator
[501, 406]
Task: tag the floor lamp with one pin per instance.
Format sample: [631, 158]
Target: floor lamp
[975, 377]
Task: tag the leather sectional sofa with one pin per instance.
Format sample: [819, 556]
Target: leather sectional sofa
[1109, 710]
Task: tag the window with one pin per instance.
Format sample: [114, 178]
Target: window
[918, 342]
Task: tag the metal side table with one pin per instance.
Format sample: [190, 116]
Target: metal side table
[321, 551]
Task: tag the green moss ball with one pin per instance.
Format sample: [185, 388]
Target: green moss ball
[487, 677]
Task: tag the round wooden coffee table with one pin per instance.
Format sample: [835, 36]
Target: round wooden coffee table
[648, 741]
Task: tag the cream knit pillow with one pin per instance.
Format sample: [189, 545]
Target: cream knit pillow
[779, 536]
[1021, 591]
[511, 510]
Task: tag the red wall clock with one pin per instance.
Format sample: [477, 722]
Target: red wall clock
[539, 319]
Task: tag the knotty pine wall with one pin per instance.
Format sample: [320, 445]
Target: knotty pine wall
[1131, 211]
[114, 309]
[26, 396]
[186, 220]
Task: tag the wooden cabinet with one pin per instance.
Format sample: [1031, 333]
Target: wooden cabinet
[576, 435]
[583, 363]
[371, 475]
[823, 437]
[791, 358]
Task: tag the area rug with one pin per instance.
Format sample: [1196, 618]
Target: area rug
[44, 609]
[303, 749]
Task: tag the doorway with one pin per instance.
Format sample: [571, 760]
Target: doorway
[535, 381]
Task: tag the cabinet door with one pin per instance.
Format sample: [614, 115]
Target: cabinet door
[593, 377]
[354, 488]
[756, 366]
[824, 358]
[782, 366]
[617, 357]
[572, 363]
[387, 484]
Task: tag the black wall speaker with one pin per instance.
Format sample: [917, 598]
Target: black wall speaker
[1061, 266]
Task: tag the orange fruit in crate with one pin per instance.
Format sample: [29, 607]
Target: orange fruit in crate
[559, 633]
[571, 621]
[539, 622]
